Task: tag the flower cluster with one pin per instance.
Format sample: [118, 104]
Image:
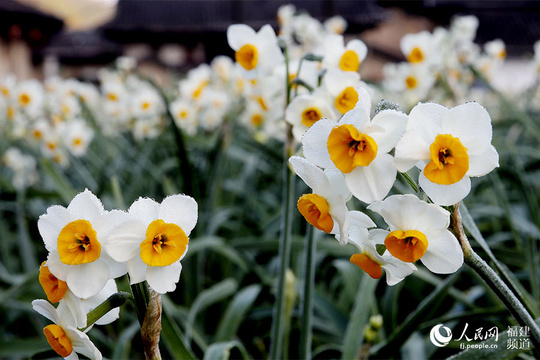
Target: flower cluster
[130, 104]
[348, 153]
[443, 64]
[448, 146]
[313, 50]
[89, 247]
[48, 118]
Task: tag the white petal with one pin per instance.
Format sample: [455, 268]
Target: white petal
[359, 115]
[377, 236]
[116, 269]
[359, 47]
[361, 220]
[82, 344]
[408, 212]
[426, 120]
[471, 123]
[445, 194]
[239, 35]
[125, 240]
[314, 177]
[180, 210]
[144, 209]
[314, 143]
[108, 222]
[339, 212]
[137, 270]
[484, 163]
[337, 184]
[46, 309]
[51, 223]
[358, 236]
[443, 255]
[410, 149]
[390, 126]
[56, 266]
[373, 182]
[86, 205]
[87, 279]
[76, 308]
[163, 278]
[397, 270]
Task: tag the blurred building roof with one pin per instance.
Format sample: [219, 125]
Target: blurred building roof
[21, 21]
[159, 21]
[81, 47]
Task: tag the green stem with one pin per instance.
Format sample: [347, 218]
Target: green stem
[115, 300]
[141, 295]
[284, 252]
[307, 305]
[499, 287]
[409, 181]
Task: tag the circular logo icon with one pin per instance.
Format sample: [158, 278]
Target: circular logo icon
[439, 339]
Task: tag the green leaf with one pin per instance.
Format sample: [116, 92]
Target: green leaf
[208, 297]
[412, 322]
[354, 335]
[222, 350]
[236, 311]
[174, 339]
[63, 187]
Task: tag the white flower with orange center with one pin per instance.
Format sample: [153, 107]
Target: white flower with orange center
[29, 97]
[57, 290]
[339, 56]
[154, 241]
[184, 115]
[372, 262]
[449, 146]
[496, 49]
[335, 25]
[255, 51]
[418, 231]
[420, 48]
[343, 87]
[358, 147]
[305, 110]
[63, 336]
[411, 83]
[76, 136]
[325, 208]
[74, 237]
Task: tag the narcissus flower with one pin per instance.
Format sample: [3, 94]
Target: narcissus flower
[372, 262]
[343, 87]
[255, 51]
[326, 207]
[305, 110]
[418, 231]
[449, 146]
[154, 241]
[420, 49]
[63, 335]
[74, 237]
[57, 290]
[358, 147]
[344, 58]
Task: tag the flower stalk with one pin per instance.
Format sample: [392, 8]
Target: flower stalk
[307, 305]
[499, 287]
[284, 255]
[115, 300]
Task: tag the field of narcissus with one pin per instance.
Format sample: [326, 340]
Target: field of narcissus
[275, 205]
